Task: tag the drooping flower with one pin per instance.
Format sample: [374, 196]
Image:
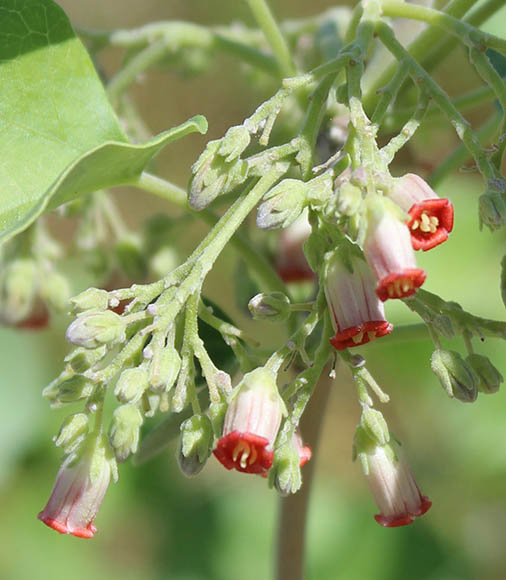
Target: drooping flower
[78, 492]
[357, 314]
[430, 217]
[304, 451]
[388, 251]
[391, 482]
[251, 424]
[291, 263]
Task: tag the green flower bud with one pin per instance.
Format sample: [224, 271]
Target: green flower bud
[282, 205]
[234, 142]
[55, 289]
[163, 261]
[164, 369]
[82, 359]
[92, 329]
[213, 175]
[131, 385]
[70, 390]
[130, 257]
[216, 413]
[314, 250]
[349, 199]
[18, 290]
[124, 431]
[91, 299]
[151, 402]
[195, 444]
[492, 208]
[375, 426]
[489, 378]
[72, 432]
[274, 307]
[285, 471]
[455, 375]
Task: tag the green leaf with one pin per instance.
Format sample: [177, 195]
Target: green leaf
[59, 136]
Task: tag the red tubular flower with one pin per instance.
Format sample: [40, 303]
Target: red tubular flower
[389, 253]
[431, 217]
[392, 485]
[291, 263]
[251, 424]
[78, 492]
[358, 315]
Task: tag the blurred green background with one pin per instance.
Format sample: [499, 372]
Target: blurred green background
[221, 526]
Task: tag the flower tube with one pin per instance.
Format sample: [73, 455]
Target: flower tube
[78, 492]
[357, 314]
[391, 482]
[430, 217]
[388, 251]
[251, 424]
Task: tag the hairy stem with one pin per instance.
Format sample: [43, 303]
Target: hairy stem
[274, 36]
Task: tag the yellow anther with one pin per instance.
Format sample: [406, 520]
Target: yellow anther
[415, 225]
[371, 335]
[357, 339]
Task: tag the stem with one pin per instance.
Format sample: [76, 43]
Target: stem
[467, 33]
[389, 93]
[139, 63]
[156, 41]
[441, 99]
[294, 508]
[265, 273]
[476, 18]
[394, 145]
[274, 36]
[461, 154]
[417, 49]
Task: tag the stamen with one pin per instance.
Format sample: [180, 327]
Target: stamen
[241, 447]
[425, 226]
[415, 225]
[253, 456]
[371, 335]
[357, 339]
[391, 290]
[244, 459]
[407, 284]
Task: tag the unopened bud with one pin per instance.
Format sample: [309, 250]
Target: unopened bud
[164, 369]
[195, 445]
[55, 289]
[274, 307]
[349, 199]
[131, 385]
[455, 375]
[82, 359]
[375, 426]
[286, 473]
[72, 432]
[124, 431]
[213, 175]
[234, 142]
[282, 205]
[489, 378]
[92, 329]
[17, 290]
[216, 413]
[70, 390]
[493, 209]
[163, 261]
[91, 299]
